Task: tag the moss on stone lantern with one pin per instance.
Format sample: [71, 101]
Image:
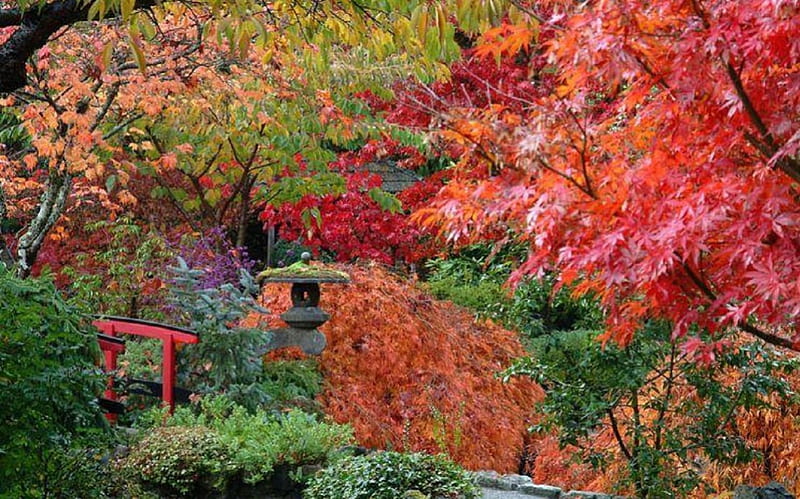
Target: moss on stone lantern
[305, 316]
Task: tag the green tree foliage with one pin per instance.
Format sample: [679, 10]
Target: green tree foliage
[13, 136]
[48, 387]
[667, 411]
[476, 278]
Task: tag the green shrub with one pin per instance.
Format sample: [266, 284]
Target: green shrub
[178, 461]
[259, 442]
[48, 384]
[389, 475]
[228, 358]
[292, 383]
[476, 279]
[75, 472]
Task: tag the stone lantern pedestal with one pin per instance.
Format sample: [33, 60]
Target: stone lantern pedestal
[305, 316]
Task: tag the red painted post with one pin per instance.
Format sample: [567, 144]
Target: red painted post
[168, 374]
[111, 366]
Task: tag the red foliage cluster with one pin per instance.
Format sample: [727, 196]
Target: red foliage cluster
[661, 172]
[353, 225]
[475, 82]
[413, 373]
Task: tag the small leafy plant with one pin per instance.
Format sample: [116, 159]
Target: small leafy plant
[389, 475]
[292, 383]
[179, 461]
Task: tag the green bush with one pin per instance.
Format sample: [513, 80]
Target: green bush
[389, 475]
[48, 385]
[228, 358]
[178, 462]
[259, 442]
[292, 383]
[476, 278]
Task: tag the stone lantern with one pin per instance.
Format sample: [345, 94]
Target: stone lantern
[305, 316]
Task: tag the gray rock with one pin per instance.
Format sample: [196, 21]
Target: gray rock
[489, 479]
[517, 480]
[538, 490]
[505, 485]
[584, 494]
[772, 490]
[507, 494]
[310, 469]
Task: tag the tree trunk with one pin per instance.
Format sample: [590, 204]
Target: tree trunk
[35, 26]
[52, 205]
[244, 209]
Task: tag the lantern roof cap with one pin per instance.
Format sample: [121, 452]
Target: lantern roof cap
[303, 272]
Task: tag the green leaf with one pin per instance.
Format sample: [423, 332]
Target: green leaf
[138, 54]
[386, 200]
[111, 181]
[312, 214]
[126, 8]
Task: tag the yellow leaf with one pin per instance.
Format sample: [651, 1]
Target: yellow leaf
[244, 41]
[108, 52]
[441, 17]
[422, 24]
[126, 8]
[147, 27]
[138, 54]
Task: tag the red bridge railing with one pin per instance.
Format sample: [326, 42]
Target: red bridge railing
[170, 336]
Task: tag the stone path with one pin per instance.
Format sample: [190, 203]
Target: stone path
[507, 494]
[497, 486]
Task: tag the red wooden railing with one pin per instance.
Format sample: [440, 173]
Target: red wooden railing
[112, 346]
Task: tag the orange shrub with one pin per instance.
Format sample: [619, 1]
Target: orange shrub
[774, 433]
[409, 372]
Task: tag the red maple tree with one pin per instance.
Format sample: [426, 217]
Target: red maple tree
[660, 173]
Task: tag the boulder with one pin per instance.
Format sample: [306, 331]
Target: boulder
[772, 490]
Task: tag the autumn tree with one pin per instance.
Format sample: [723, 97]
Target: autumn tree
[659, 174]
[355, 224]
[252, 134]
[73, 105]
[33, 25]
